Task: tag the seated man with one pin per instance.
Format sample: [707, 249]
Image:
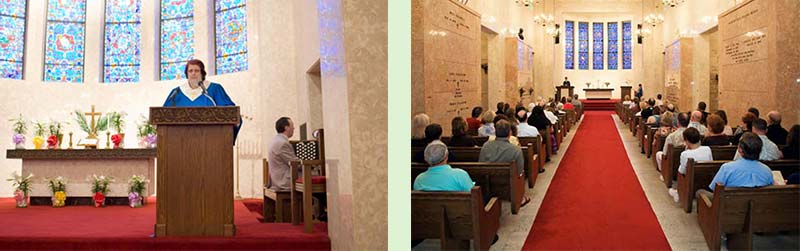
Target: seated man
[769, 151]
[675, 138]
[693, 150]
[745, 172]
[697, 116]
[775, 132]
[433, 133]
[281, 153]
[502, 151]
[440, 176]
[525, 129]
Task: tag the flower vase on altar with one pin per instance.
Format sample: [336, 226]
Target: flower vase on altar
[19, 141]
[118, 140]
[134, 199]
[21, 198]
[52, 142]
[38, 141]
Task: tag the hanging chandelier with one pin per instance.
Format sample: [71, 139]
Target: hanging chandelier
[672, 3]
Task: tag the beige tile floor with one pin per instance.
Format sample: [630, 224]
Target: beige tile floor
[681, 229]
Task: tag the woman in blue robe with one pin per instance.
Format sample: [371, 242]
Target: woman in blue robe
[198, 92]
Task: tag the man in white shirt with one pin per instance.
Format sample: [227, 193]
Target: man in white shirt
[659, 102]
[524, 129]
[695, 122]
[769, 151]
[694, 150]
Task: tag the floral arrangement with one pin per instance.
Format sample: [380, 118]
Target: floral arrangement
[20, 128]
[100, 188]
[137, 186]
[117, 140]
[101, 125]
[55, 130]
[22, 187]
[59, 188]
[116, 120]
[146, 132]
[39, 129]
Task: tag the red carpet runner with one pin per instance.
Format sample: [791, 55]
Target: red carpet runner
[595, 200]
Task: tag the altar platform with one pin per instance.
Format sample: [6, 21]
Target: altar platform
[125, 228]
[599, 105]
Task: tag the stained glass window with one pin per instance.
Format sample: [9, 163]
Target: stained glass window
[12, 38]
[597, 46]
[627, 46]
[230, 20]
[583, 45]
[613, 39]
[177, 37]
[569, 45]
[122, 54]
[64, 50]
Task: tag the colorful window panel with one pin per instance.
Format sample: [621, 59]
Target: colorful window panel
[613, 39]
[583, 45]
[64, 50]
[569, 45]
[597, 46]
[230, 20]
[177, 37]
[122, 55]
[627, 45]
[12, 38]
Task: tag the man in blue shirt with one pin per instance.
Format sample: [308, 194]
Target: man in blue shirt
[440, 176]
[747, 171]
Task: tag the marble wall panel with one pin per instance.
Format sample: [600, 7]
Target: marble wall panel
[757, 69]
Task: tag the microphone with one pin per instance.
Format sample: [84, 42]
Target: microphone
[172, 96]
[205, 92]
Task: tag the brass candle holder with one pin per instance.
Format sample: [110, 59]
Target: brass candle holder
[70, 140]
[108, 140]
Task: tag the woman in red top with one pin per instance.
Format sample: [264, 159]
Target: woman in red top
[474, 122]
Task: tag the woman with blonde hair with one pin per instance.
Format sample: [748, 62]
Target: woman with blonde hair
[487, 129]
[418, 125]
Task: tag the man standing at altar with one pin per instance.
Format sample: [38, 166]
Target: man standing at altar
[566, 82]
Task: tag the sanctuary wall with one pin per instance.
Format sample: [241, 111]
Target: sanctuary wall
[759, 60]
[445, 60]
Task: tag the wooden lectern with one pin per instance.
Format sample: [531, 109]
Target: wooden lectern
[624, 90]
[564, 91]
[195, 170]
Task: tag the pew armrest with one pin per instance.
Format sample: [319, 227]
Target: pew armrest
[706, 201]
[491, 204]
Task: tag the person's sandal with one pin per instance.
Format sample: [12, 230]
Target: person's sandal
[525, 201]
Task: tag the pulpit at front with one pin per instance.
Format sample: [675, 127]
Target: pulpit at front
[624, 90]
[195, 170]
[564, 91]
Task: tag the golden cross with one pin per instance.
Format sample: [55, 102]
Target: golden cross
[93, 133]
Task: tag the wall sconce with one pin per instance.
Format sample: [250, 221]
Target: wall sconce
[543, 19]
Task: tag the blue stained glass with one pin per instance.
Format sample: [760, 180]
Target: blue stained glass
[12, 70]
[122, 54]
[13, 8]
[583, 45]
[231, 36]
[597, 48]
[227, 4]
[176, 8]
[177, 37]
[613, 39]
[66, 10]
[64, 49]
[569, 45]
[627, 46]
[12, 38]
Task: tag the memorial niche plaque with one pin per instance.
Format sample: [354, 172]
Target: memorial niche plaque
[745, 48]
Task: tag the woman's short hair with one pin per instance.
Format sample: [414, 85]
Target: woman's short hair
[196, 62]
[418, 125]
[488, 117]
[715, 124]
[748, 119]
[458, 126]
[667, 119]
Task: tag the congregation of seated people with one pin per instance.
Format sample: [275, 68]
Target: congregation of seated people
[501, 130]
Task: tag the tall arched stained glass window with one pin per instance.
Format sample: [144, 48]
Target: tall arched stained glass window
[597, 46]
[627, 45]
[230, 21]
[177, 37]
[64, 51]
[583, 45]
[569, 45]
[613, 39]
[12, 38]
[122, 53]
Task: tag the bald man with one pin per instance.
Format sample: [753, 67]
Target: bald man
[694, 122]
[775, 132]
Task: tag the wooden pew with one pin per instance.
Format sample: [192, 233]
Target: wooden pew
[659, 145]
[455, 218]
[538, 149]
[498, 179]
[700, 173]
[740, 212]
[672, 160]
[546, 142]
[634, 123]
[651, 132]
[472, 154]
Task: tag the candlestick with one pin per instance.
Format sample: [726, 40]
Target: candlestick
[70, 140]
